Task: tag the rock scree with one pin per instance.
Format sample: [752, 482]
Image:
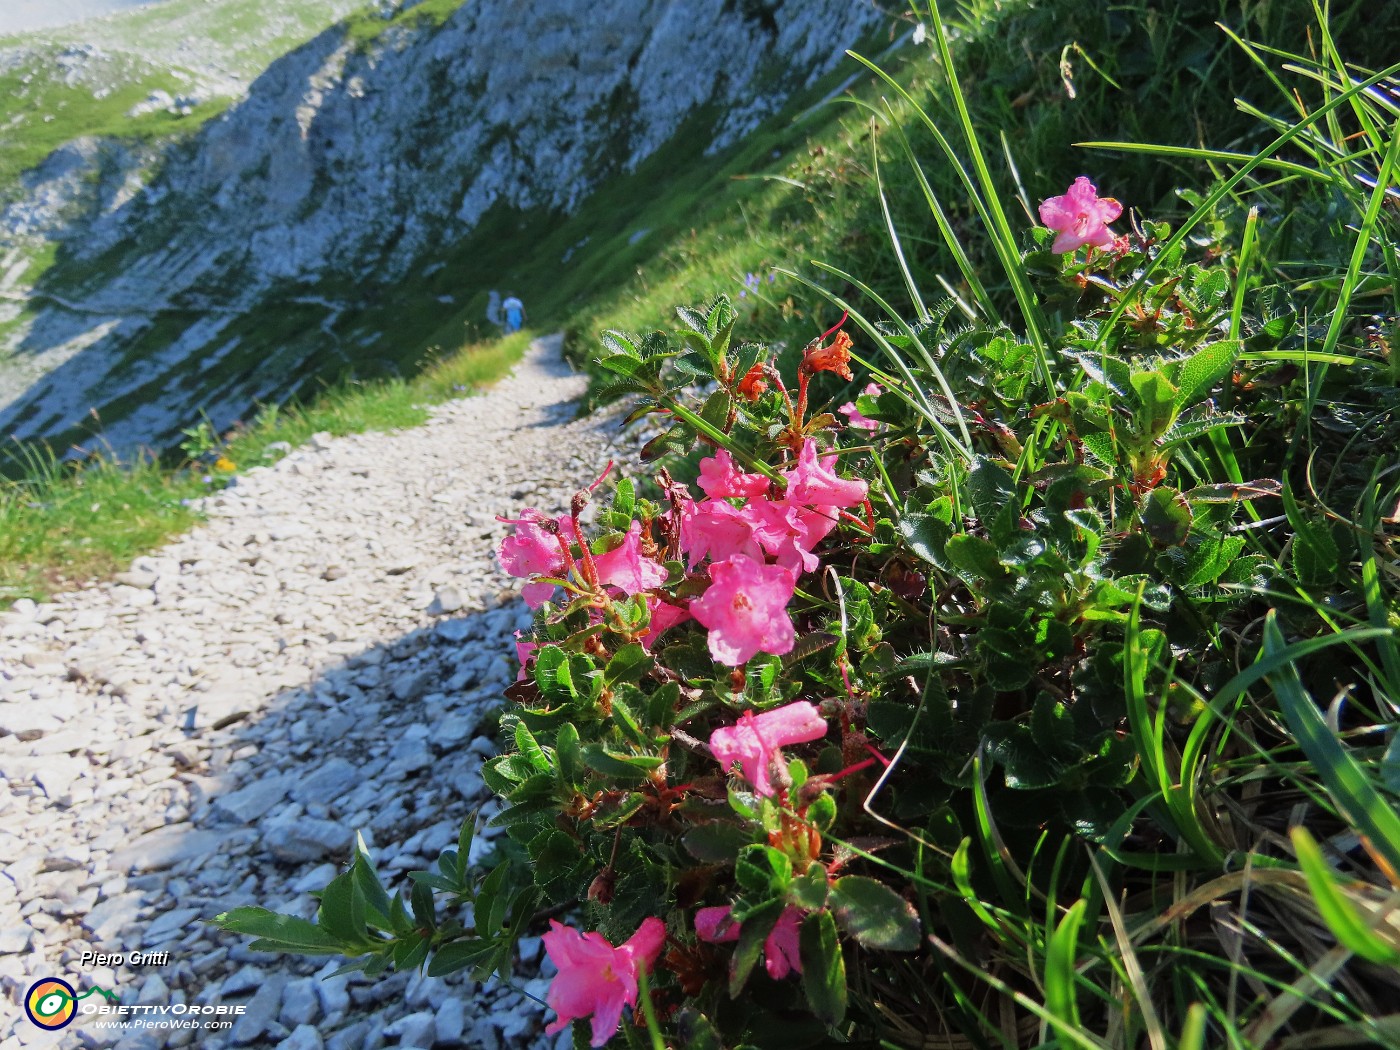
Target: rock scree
[325, 655]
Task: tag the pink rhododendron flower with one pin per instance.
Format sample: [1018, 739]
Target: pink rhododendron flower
[754, 740]
[716, 529]
[1080, 216]
[595, 979]
[523, 651]
[782, 531]
[813, 481]
[780, 949]
[536, 594]
[664, 616]
[716, 925]
[626, 568]
[745, 609]
[530, 550]
[533, 551]
[720, 478]
[853, 417]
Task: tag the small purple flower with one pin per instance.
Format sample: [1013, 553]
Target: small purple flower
[207, 480]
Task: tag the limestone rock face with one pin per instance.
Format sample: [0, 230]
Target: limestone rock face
[354, 161]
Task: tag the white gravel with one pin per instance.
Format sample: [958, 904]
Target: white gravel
[325, 655]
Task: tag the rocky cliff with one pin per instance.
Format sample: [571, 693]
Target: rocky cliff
[352, 164]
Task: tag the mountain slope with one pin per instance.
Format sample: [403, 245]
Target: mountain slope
[279, 244]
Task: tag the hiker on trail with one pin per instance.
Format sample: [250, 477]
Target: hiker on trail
[515, 313]
[493, 309]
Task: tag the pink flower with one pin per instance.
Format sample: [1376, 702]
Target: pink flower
[745, 609]
[664, 616]
[1079, 217]
[533, 551]
[716, 529]
[530, 550]
[783, 532]
[626, 568]
[853, 417]
[716, 925]
[754, 740]
[780, 949]
[523, 651]
[721, 479]
[595, 979]
[813, 482]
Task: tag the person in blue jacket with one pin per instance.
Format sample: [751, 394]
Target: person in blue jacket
[514, 311]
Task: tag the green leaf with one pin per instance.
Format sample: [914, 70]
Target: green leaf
[628, 768]
[715, 410]
[619, 343]
[926, 536]
[529, 747]
[992, 491]
[695, 321]
[975, 558]
[279, 933]
[1341, 916]
[1156, 410]
[1166, 517]
[809, 892]
[424, 908]
[464, 846]
[874, 914]
[751, 870]
[821, 812]
[628, 664]
[1207, 561]
[823, 967]
[1350, 789]
[1316, 557]
[342, 911]
[410, 952]
[661, 706]
[1230, 492]
[757, 924]
[1198, 375]
[1060, 957]
[458, 955]
[1390, 765]
[626, 721]
[620, 364]
[568, 757]
[717, 843]
[624, 500]
[552, 673]
[372, 891]
[556, 858]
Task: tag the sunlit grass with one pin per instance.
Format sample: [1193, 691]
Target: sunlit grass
[65, 523]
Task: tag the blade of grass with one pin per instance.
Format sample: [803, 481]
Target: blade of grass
[1347, 783]
[1340, 915]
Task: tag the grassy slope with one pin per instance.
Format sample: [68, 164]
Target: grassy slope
[180, 46]
[68, 523]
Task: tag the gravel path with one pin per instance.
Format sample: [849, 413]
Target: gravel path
[325, 654]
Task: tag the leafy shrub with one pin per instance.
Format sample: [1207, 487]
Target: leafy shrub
[948, 713]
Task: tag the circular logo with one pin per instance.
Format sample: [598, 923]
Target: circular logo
[51, 1003]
